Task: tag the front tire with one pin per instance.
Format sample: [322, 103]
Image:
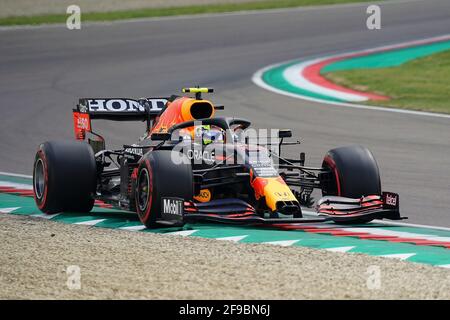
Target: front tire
[158, 176]
[354, 172]
[64, 177]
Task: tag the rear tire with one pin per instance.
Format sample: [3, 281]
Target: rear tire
[64, 177]
[158, 176]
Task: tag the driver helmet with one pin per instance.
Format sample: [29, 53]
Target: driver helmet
[209, 134]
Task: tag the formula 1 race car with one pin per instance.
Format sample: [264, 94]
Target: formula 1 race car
[191, 166]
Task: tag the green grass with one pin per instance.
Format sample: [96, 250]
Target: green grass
[421, 84]
[165, 12]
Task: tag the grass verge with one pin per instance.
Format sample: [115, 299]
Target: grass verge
[171, 11]
[421, 84]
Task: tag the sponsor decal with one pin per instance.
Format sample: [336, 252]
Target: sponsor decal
[265, 172]
[201, 155]
[124, 105]
[135, 151]
[282, 194]
[172, 206]
[81, 124]
[390, 199]
[203, 196]
[82, 121]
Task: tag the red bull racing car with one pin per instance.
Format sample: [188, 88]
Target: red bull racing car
[193, 166]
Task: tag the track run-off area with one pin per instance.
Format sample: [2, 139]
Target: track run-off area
[304, 79]
[399, 241]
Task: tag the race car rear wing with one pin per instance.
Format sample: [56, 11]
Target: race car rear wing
[116, 109]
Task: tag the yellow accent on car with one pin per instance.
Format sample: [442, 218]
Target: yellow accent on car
[275, 191]
[193, 109]
[197, 90]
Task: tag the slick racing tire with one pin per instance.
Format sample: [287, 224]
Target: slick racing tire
[158, 176]
[64, 177]
[354, 174]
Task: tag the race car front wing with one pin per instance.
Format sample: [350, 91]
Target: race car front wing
[177, 211]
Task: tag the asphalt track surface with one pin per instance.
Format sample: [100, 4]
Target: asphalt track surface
[43, 71]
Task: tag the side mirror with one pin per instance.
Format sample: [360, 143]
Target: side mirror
[284, 133]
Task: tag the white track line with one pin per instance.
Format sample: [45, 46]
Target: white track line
[283, 243]
[44, 215]
[90, 222]
[294, 75]
[412, 225]
[401, 256]
[400, 234]
[16, 175]
[8, 210]
[16, 185]
[134, 228]
[340, 249]
[183, 233]
[233, 238]
[257, 79]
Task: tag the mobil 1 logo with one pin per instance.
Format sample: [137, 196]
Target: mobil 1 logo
[172, 208]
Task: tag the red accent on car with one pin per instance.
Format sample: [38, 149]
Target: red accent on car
[81, 124]
[258, 185]
[150, 191]
[328, 160]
